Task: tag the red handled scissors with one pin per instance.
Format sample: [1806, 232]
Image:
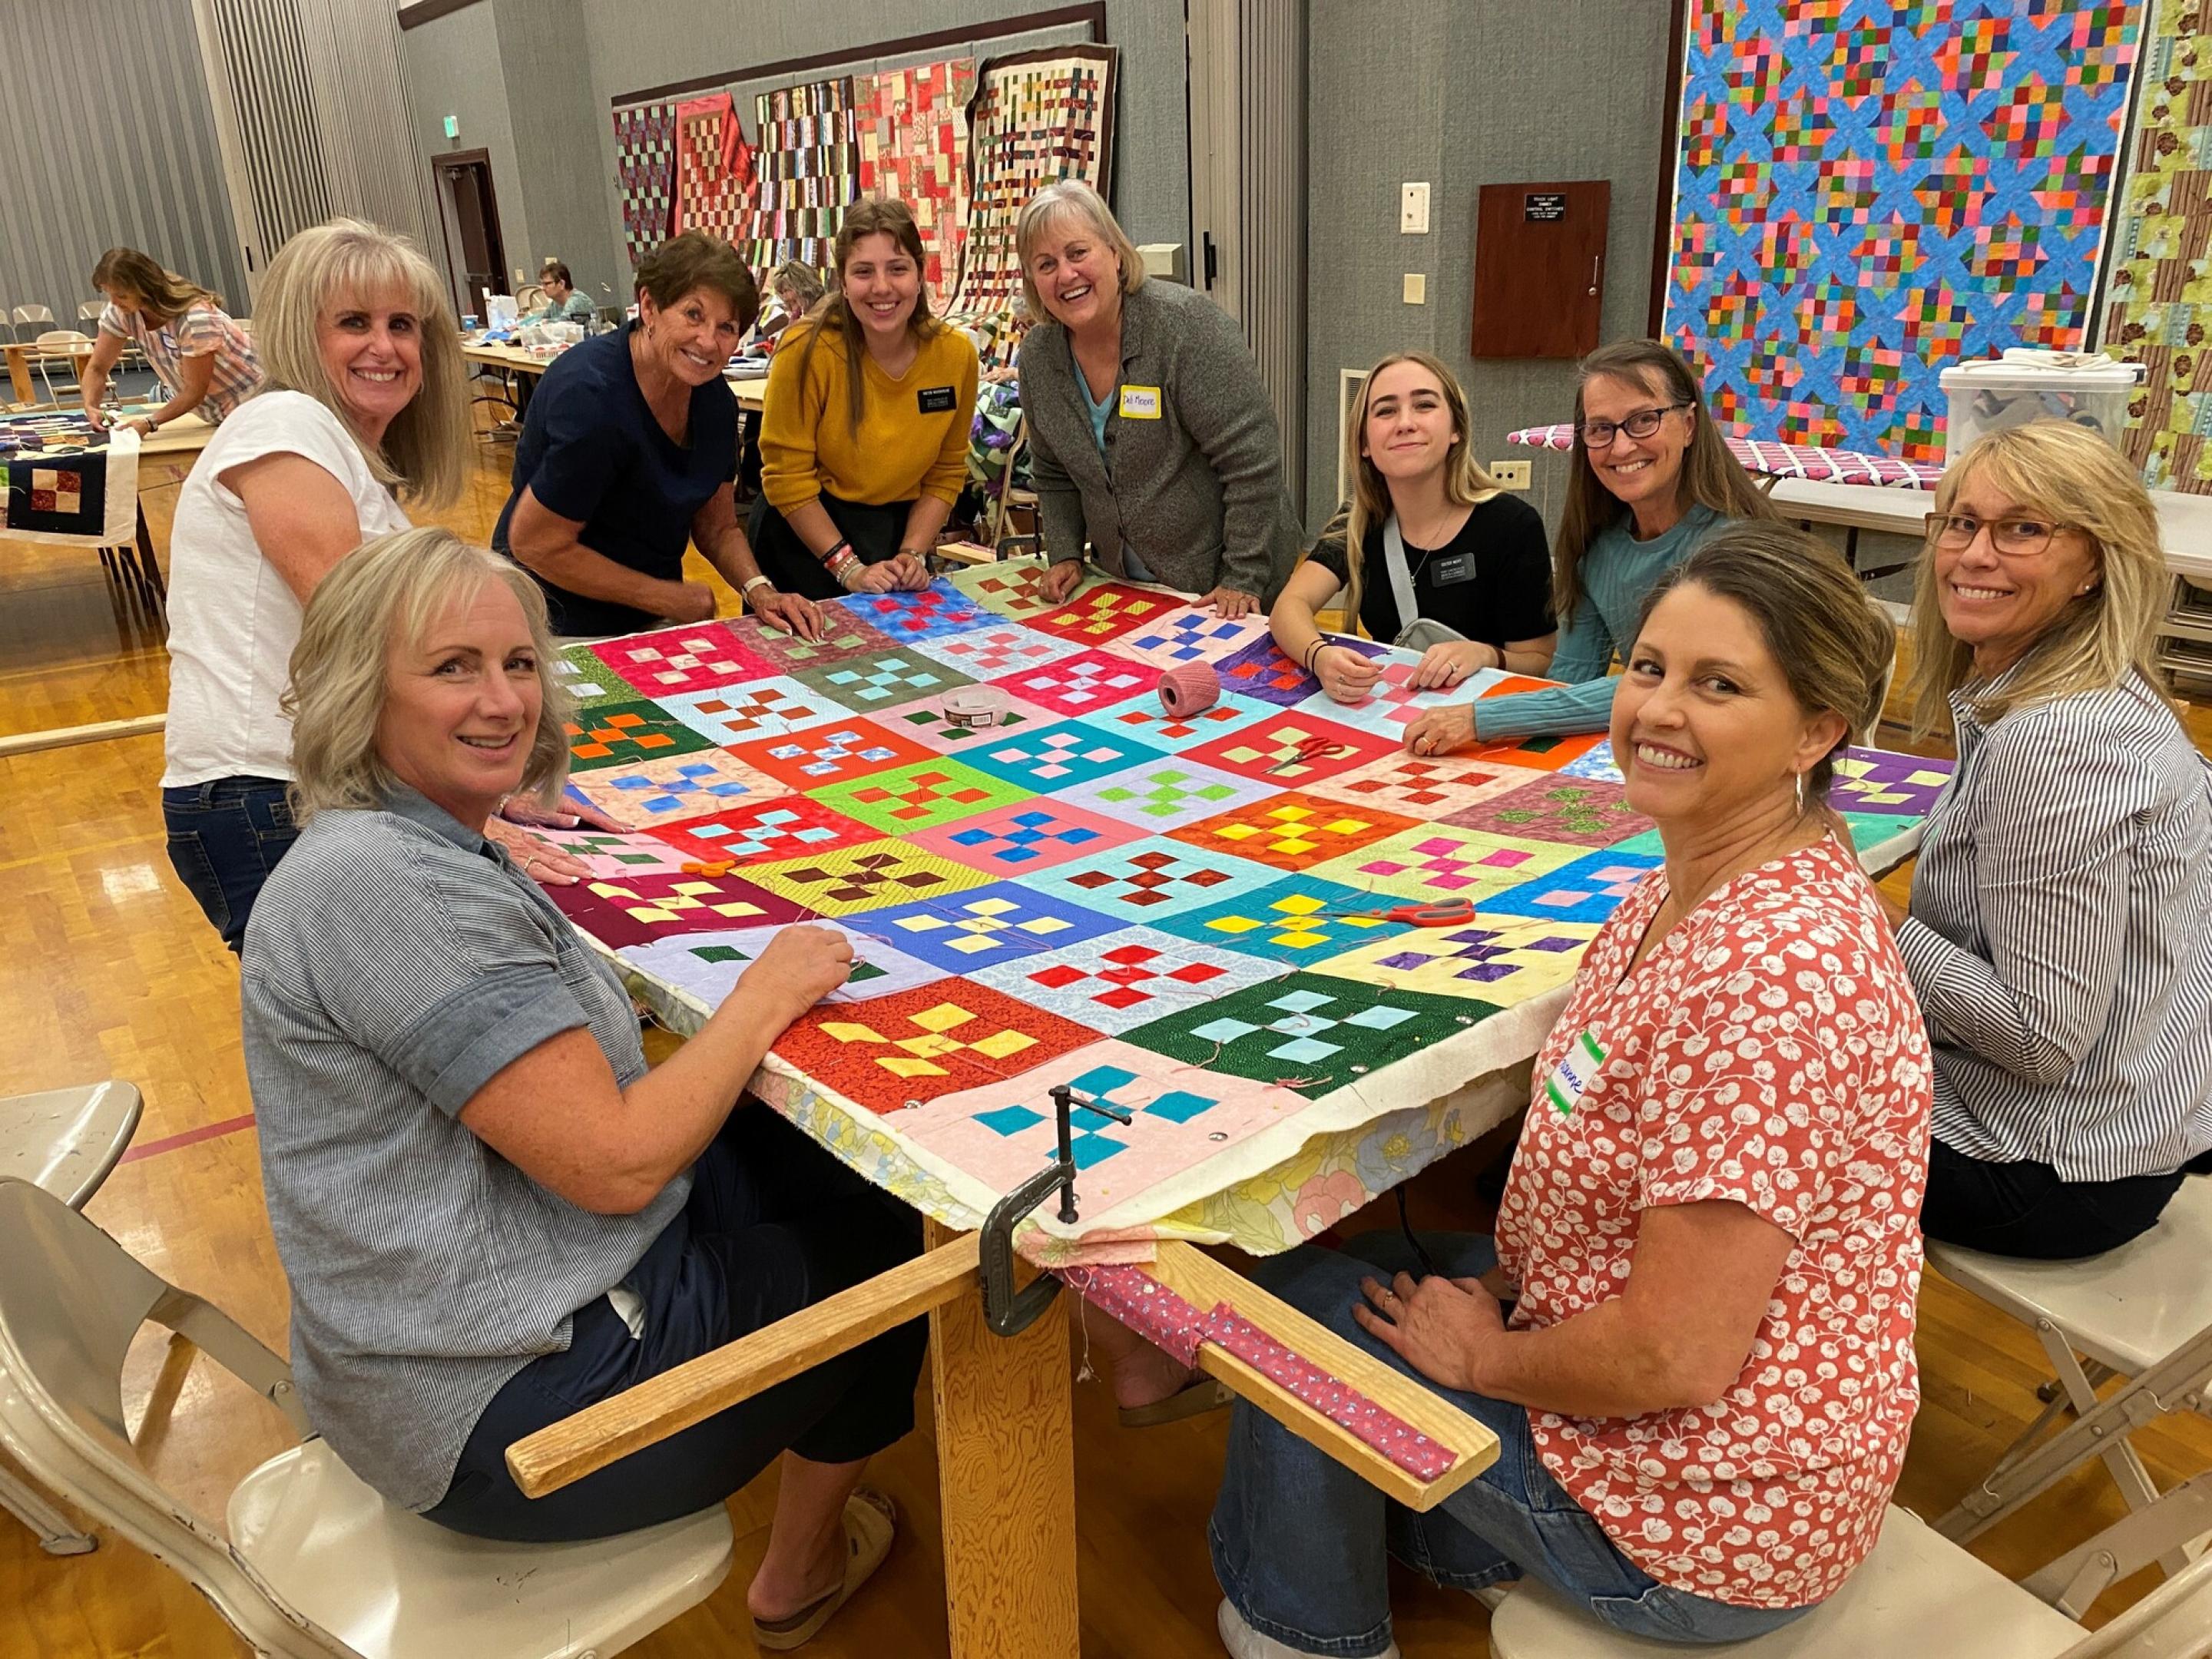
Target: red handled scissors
[1451, 913]
[1308, 750]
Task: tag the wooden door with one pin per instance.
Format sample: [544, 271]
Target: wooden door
[480, 261]
[1540, 269]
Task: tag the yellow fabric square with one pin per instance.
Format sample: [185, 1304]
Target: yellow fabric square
[945, 1017]
[1005, 1045]
[898, 1067]
[847, 1031]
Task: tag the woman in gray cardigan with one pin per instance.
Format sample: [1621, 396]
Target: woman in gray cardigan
[1150, 434]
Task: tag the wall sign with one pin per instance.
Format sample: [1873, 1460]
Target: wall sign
[1542, 207]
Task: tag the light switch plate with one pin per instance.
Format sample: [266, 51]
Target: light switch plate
[1416, 289]
[1412, 210]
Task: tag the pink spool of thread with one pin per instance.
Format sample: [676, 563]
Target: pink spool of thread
[1189, 689]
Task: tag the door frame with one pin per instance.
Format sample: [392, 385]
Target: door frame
[453, 161]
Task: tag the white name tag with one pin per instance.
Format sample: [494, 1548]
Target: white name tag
[1141, 403]
[1576, 1070]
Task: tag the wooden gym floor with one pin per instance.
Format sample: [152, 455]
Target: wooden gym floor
[107, 969]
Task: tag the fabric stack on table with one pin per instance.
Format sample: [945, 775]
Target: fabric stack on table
[1189, 918]
[69, 480]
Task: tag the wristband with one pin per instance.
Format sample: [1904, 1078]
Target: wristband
[758, 581]
[844, 566]
[828, 556]
[1313, 652]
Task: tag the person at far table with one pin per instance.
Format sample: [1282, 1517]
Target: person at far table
[491, 1212]
[863, 437]
[2060, 933]
[1652, 479]
[563, 304]
[628, 454]
[1693, 1333]
[364, 402]
[1150, 436]
[204, 359]
[1430, 553]
[798, 287]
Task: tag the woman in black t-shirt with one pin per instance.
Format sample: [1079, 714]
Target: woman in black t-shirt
[1430, 552]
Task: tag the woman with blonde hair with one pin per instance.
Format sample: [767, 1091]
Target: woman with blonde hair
[203, 359]
[864, 442]
[1652, 480]
[1150, 437]
[2060, 932]
[1430, 553]
[363, 403]
[492, 1214]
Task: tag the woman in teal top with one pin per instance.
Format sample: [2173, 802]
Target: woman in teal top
[563, 302]
[1652, 480]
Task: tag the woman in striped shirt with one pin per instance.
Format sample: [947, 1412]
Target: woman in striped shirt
[2060, 934]
[204, 359]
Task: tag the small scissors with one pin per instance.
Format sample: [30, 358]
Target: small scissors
[1451, 913]
[1311, 748]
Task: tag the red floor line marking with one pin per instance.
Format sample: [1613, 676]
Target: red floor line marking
[170, 1143]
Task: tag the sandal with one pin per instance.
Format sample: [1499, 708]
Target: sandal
[871, 1523]
[1202, 1394]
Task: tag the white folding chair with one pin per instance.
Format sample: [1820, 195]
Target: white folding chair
[2143, 1312]
[66, 1141]
[33, 317]
[316, 1565]
[1917, 1594]
[59, 345]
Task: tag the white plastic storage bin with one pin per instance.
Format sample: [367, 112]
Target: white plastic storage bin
[2090, 390]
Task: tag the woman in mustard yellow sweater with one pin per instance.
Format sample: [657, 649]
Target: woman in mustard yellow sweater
[864, 442]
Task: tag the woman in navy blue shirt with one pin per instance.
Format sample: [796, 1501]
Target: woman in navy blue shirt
[627, 453]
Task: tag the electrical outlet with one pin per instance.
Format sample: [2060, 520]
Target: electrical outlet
[1412, 210]
[1416, 289]
[1511, 475]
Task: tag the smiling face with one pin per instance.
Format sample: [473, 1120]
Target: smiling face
[692, 339]
[371, 346]
[1705, 728]
[1409, 430]
[1638, 471]
[461, 705]
[2002, 602]
[1077, 273]
[881, 283]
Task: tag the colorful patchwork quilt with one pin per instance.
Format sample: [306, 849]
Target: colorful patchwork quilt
[1200, 921]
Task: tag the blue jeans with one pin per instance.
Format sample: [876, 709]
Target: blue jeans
[1300, 1541]
[225, 836]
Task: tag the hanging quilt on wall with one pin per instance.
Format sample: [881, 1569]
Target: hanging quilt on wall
[913, 129]
[1867, 192]
[714, 168]
[2161, 282]
[809, 173]
[1037, 116]
[645, 167]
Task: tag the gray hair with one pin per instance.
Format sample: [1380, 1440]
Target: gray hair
[1065, 199]
[393, 589]
[426, 449]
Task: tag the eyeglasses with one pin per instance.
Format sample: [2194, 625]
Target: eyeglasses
[1596, 434]
[2019, 537]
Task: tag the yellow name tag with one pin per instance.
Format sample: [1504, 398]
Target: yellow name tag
[1141, 403]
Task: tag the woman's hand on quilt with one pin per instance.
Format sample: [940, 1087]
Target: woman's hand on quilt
[913, 570]
[802, 965]
[1346, 675]
[1442, 730]
[1438, 1326]
[1061, 581]
[872, 578]
[533, 814]
[1445, 664]
[794, 613]
[1229, 603]
[538, 860]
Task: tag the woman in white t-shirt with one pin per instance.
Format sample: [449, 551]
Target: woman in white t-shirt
[364, 400]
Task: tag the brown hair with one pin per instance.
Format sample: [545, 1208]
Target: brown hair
[695, 259]
[1710, 475]
[559, 272]
[1833, 644]
[2071, 477]
[1465, 482]
[163, 296]
[884, 216]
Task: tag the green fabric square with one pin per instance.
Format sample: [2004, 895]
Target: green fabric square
[919, 795]
[617, 733]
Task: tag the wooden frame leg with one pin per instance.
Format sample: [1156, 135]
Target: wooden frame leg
[1006, 1474]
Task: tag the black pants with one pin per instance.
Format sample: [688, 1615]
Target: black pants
[874, 532]
[774, 1224]
[2027, 1209]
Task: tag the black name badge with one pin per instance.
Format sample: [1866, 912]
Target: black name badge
[1449, 573]
[936, 399]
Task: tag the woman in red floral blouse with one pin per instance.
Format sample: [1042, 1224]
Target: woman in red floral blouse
[1694, 1337]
